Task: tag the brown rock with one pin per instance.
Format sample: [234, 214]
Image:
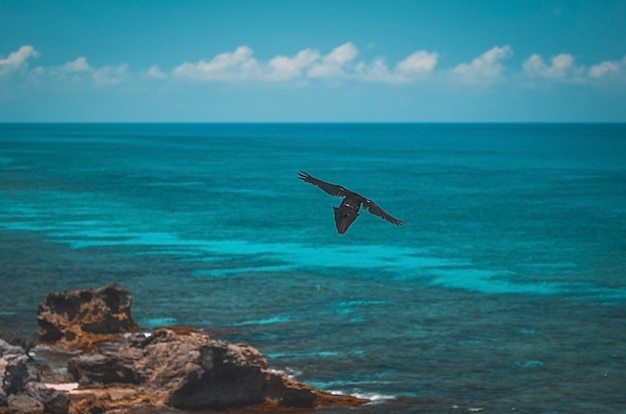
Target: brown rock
[53, 401]
[20, 388]
[177, 367]
[25, 404]
[118, 399]
[193, 371]
[84, 317]
[290, 392]
[15, 372]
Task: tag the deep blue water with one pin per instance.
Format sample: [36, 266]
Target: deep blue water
[505, 291]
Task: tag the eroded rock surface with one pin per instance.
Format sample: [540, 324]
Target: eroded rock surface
[20, 388]
[194, 371]
[120, 368]
[82, 317]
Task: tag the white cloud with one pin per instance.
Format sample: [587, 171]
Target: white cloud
[561, 67]
[78, 65]
[156, 72]
[606, 69]
[412, 67]
[237, 65]
[334, 64]
[376, 72]
[80, 71]
[418, 62]
[110, 75]
[282, 68]
[485, 67]
[17, 59]
[339, 63]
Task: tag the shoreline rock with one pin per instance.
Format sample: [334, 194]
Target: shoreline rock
[193, 372]
[82, 318]
[20, 388]
[121, 367]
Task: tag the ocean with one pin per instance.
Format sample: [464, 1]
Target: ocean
[505, 290]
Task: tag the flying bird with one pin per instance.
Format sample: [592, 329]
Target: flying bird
[348, 210]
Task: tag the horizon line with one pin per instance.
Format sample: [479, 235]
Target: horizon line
[306, 122]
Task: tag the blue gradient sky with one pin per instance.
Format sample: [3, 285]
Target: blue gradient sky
[292, 61]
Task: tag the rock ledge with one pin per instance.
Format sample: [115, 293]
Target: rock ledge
[120, 367]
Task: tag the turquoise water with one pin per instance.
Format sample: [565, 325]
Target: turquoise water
[505, 290]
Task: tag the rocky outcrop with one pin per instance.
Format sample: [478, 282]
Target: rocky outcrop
[119, 367]
[84, 317]
[21, 390]
[192, 371]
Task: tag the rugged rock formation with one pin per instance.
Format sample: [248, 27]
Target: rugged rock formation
[191, 371]
[177, 367]
[21, 390]
[84, 317]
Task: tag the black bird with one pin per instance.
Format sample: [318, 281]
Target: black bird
[348, 210]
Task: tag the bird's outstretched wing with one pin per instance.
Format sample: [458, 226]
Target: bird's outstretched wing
[375, 209]
[332, 189]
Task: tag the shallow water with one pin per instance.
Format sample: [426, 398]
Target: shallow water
[504, 291]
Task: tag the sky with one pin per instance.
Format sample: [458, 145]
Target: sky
[313, 61]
